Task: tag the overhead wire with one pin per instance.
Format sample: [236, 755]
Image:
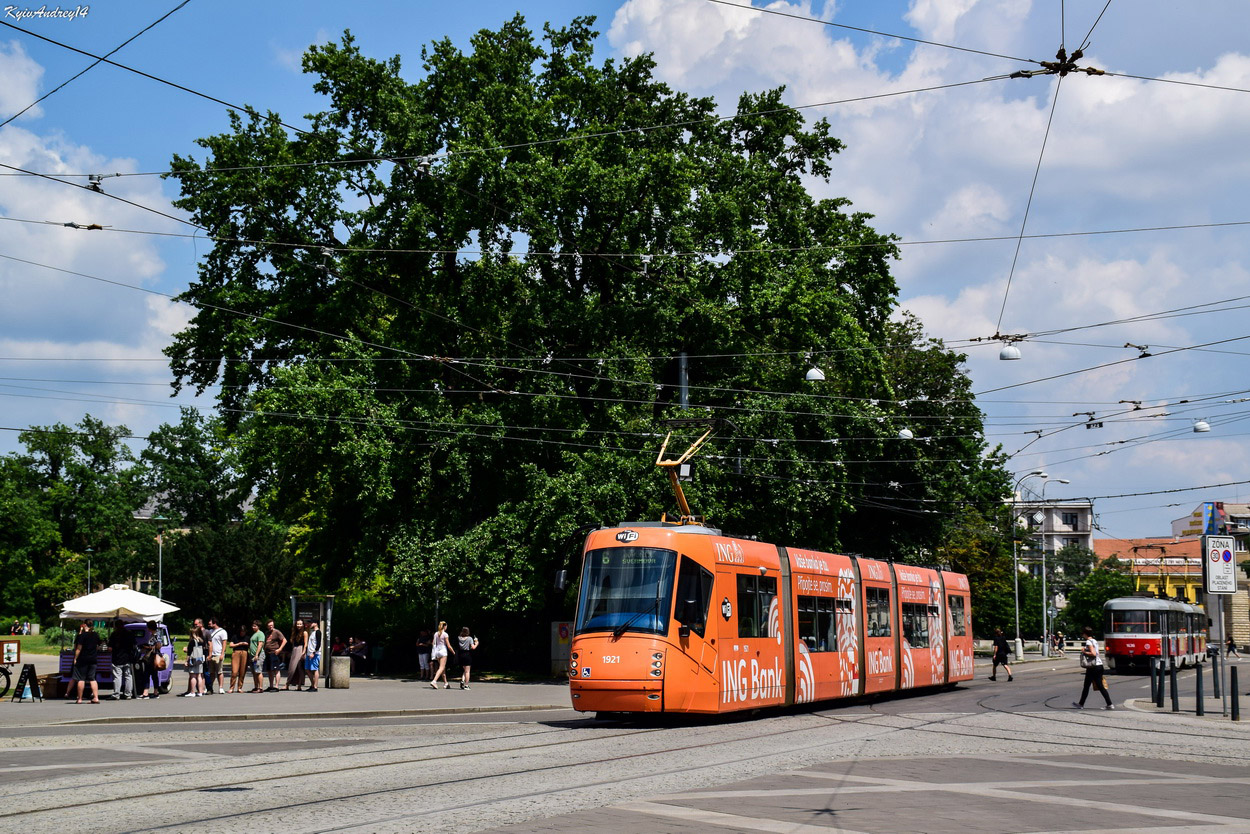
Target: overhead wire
[94, 64]
[830, 23]
[1028, 204]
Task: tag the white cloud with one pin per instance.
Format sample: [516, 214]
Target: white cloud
[21, 80]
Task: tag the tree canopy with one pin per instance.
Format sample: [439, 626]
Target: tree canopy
[448, 320]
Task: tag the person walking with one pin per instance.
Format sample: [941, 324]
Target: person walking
[295, 664]
[1091, 662]
[238, 661]
[122, 648]
[195, 655]
[424, 644]
[1232, 648]
[312, 654]
[468, 644]
[1001, 652]
[214, 664]
[256, 655]
[438, 654]
[275, 642]
[86, 654]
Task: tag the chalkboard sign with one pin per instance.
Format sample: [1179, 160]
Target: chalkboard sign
[28, 678]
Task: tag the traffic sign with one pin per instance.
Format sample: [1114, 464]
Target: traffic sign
[1219, 568]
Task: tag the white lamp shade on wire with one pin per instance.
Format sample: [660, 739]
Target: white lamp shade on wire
[1009, 352]
[815, 375]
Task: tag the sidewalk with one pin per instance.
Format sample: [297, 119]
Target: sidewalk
[365, 698]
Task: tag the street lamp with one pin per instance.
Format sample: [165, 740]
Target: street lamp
[1015, 564]
[1045, 601]
[89, 552]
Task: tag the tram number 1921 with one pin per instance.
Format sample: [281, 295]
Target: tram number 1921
[611, 658]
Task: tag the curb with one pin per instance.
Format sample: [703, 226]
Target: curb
[380, 713]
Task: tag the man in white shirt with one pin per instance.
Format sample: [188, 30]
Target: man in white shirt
[216, 654]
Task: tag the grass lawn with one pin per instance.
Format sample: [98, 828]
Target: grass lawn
[35, 644]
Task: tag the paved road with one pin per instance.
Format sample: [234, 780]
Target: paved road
[992, 757]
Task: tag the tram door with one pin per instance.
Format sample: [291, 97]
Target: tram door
[695, 688]
[880, 663]
[751, 669]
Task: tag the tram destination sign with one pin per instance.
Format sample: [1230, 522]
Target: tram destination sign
[1219, 564]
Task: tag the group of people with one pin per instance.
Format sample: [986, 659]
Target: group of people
[19, 627]
[136, 657]
[1091, 662]
[265, 652]
[435, 650]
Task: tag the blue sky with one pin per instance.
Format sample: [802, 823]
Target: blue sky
[1121, 153]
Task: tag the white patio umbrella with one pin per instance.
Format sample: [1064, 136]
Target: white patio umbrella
[116, 601]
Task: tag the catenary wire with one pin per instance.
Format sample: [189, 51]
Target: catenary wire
[94, 64]
[792, 16]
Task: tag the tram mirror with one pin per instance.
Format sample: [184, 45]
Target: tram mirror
[562, 580]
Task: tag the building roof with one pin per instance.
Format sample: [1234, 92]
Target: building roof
[1179, 555]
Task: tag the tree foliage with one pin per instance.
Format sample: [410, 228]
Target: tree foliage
[69, 498]
[237, 572]
[1109, 580]
[439, 368]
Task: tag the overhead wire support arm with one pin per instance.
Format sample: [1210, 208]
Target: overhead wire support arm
[1061, 66]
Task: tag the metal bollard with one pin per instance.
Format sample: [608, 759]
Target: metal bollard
[1216, 674]
[1159, 692]
[1201, 711]
[1232, 690]
[1154, 681]
[1176, 696]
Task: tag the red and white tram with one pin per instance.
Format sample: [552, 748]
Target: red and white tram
[1140, 629]
[679, 618]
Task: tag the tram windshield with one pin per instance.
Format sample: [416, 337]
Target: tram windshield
[1133, 622]
[627, 588]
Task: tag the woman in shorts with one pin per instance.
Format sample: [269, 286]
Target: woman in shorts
[467, 644]
[195, 663]
[438, 654]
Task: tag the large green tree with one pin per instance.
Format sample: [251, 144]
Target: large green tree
[67, 504]
[447, 320]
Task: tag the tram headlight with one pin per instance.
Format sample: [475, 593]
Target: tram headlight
[657, 656]
[573, 657]
[657, 672]
[656, 664]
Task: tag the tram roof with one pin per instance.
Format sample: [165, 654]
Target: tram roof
[1146, 604]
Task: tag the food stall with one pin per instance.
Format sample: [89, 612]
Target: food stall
[135, 610]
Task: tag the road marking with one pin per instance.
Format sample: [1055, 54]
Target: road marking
[715, 818]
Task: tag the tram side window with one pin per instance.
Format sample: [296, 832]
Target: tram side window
[877, 606]
[755, 598]
[916, 625]
[818, 624]
[959, 625]
[694, 593]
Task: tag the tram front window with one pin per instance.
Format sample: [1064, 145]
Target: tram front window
[1132, 622]
[627, 589]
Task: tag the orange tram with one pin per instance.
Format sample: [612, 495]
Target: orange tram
[675, 617]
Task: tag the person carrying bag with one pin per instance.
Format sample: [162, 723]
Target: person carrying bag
[1091, 662]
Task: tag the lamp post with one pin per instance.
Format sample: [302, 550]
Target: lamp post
[89, 552]
[1045, 600]
[1015, 564]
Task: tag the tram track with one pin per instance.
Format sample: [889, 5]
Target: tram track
[429, 760]
[143, 794]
